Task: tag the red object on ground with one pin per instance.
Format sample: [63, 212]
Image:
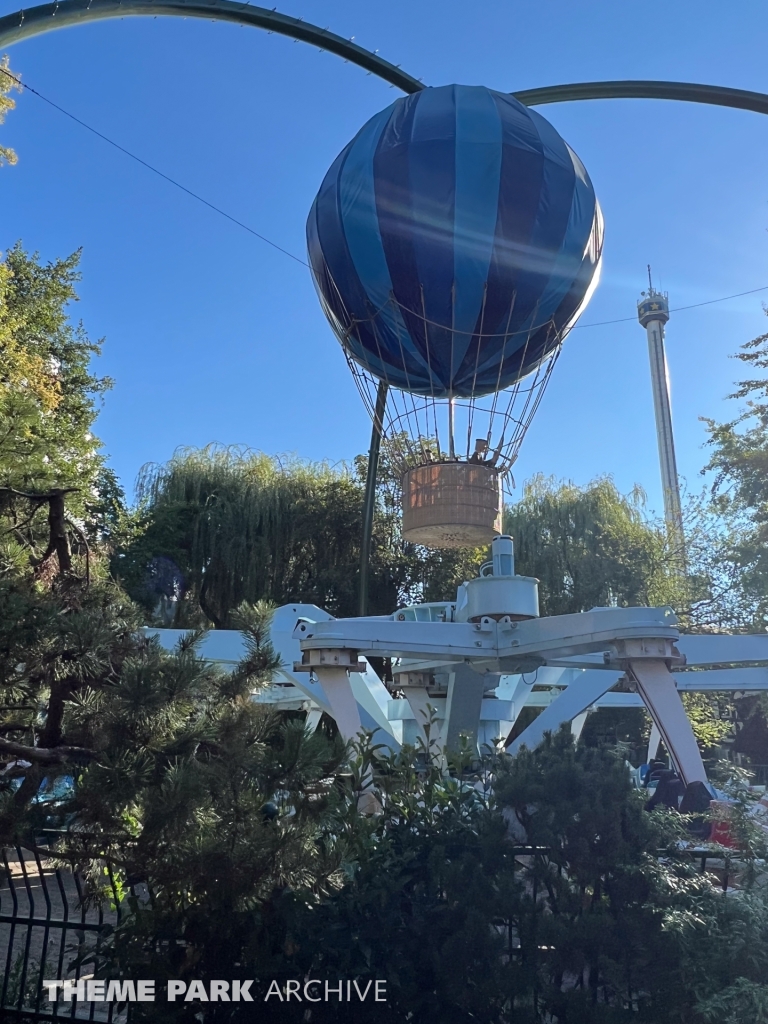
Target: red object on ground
[721, 828]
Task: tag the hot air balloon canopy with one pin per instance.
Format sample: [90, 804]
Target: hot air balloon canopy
[454, 242]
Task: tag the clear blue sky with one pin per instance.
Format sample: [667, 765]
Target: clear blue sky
[211, 335]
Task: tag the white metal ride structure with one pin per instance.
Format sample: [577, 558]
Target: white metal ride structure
[476, 662]
[494, 630]
[653, 314]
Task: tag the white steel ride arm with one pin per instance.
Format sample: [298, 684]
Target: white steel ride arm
[492, 646]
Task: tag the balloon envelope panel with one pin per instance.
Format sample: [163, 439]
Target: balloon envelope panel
[454, 241]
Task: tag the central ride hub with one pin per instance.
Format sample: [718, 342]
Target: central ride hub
[497, 592]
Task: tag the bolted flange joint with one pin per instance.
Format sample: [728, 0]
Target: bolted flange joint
[326, 657]
[637, 649]
[402, 680]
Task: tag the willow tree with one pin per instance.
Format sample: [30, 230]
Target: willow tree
[590, 546]
[241, 525]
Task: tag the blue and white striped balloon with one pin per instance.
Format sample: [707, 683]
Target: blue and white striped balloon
[454, 242]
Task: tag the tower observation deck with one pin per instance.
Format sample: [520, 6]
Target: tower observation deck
[653, 314]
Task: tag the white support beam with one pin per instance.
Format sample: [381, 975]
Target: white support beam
[338, 691]
[572, 702]
[723, 679]
[312, 720]
[577, 725]
[657, 688]
[487, 644]
[462, 711]
[719, 649]
[653, 744]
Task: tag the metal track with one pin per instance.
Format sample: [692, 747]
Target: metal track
[688, 92]
[25, 24]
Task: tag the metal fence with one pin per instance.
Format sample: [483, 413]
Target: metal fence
[48, 930]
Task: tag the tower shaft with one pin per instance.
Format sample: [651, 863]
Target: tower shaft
[653, 313]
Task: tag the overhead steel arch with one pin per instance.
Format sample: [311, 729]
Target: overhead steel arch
[690, 92]
[47, 17]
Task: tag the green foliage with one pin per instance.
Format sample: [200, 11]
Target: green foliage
[589, 547]
[606, 922]
[629, 935]
[247, 832]
[8, 84]
[173, 765]
[244, 526]
[46, 425]
[740, 462]
[743, 1002]
[48, 405]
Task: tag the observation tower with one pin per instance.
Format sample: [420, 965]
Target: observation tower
[653, 314]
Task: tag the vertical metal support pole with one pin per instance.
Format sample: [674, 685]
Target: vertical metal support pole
[369, 506]
[451, 428]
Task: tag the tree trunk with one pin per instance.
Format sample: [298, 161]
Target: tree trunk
[59, 538]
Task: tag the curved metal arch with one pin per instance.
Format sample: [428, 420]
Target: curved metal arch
[690, 92]
[24, 24]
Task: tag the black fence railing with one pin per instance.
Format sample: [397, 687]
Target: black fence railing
[51, 931]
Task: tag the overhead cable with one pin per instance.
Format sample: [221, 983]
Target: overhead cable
[155, 170]
[678, 309]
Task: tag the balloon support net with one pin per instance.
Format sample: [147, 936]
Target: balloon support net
[489, 429]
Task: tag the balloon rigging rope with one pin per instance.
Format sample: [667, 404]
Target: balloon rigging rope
[471, 418]
[431, 376]
[501, 364]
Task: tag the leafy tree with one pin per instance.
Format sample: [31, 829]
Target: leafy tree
[179, 781]
[629, 936]
[49, 403]
[466, 926]
[243, 526]
[743, 1002]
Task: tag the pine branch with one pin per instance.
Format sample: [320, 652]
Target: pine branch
[46, 755]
